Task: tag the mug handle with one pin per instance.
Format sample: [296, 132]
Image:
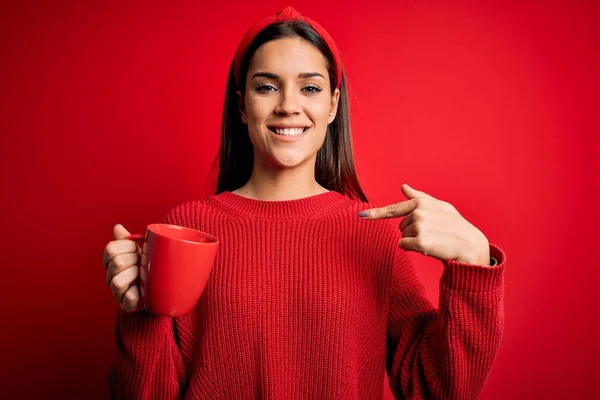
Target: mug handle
[138, 238]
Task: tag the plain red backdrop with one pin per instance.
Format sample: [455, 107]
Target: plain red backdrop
[110, 112]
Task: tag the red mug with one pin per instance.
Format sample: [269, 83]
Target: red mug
[174, 268]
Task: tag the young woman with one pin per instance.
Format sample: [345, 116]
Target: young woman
[313, 294]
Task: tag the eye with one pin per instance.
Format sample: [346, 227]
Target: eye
[264, 88]
[312, 89]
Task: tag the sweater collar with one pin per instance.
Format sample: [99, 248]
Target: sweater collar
[316, 205]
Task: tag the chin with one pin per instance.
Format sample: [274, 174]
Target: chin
[285, 164]
[288, 162]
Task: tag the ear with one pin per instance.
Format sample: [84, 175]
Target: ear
[335, 98]
[242, 107]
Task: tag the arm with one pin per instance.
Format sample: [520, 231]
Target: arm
[148, 362]
[446, 353]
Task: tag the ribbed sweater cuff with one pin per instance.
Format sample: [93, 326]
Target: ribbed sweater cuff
[474, 278]
[141, 323]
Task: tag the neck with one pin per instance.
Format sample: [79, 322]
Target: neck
[269, 183]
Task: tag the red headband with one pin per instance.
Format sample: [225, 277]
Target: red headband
[287, 14]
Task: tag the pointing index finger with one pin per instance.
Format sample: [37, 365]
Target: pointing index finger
[392, 211]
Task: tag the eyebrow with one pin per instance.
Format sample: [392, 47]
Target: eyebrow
[271, 75]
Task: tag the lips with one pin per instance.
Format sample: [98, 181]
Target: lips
[288, 130]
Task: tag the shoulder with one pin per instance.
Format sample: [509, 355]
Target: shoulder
[383, 234]
[378, 239]
[353, 207]
[189, 212]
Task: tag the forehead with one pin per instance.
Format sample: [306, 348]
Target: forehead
[291, 54]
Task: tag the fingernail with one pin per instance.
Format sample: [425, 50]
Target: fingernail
[363, 213]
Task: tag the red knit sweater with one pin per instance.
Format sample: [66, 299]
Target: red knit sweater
[308, 301]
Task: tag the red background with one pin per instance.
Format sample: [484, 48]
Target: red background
[110, 112]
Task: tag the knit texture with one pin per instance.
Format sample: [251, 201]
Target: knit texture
[308, 301]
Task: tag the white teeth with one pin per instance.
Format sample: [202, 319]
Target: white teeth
[289, 131]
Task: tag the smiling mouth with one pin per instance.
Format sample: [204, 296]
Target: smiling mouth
[288, 131]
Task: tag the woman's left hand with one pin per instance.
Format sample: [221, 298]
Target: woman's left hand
[435, 228]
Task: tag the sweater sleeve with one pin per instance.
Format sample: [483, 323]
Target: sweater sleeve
[148, 363]
[444, 353]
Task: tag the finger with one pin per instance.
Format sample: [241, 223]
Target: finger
[118, 247]
[120, 232]
[411, 231]
[131, 299]
[119, 264]
[409, 219]
[121, 282]
[409, 244]
[391, 211]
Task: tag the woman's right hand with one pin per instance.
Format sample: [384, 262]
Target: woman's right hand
[121, 259]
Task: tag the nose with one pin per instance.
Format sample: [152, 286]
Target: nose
[289, 102]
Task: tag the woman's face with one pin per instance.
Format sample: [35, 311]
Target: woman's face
[287, 102]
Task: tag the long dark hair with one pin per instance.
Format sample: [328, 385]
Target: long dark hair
[334, 168]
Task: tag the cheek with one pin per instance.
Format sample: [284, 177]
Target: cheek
[257, 112]
[319, 114]
[258, 109]
[254, 113]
